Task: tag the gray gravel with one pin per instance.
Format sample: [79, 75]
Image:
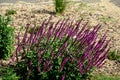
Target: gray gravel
[35, 1]
[116, 2]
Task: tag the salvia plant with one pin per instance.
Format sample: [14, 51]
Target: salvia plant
[60, 51]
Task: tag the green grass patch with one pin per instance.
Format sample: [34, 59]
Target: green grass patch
[113, 55]
[10, 12]
[104, 77]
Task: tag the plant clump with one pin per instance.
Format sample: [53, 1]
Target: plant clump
[8, 73]
[113, 55]
[60, 6]
[6, 37]
[10, 12]
[60, 51]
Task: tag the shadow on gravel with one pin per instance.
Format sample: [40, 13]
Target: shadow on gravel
[43, 12]
[116, 2]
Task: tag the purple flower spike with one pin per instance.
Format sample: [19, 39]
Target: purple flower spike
[46, 65]
[63, 77]
[63, 63]
[39, 69]
[102, 58]
[25, 35]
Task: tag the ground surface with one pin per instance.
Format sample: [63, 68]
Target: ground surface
[104, 12]
[116, 2]
[34, 1]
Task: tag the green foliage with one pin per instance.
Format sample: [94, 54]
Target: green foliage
[10, 12]
[31, 56]
[60, 6]
[104, 77]
[113, 55]
[6, 37]
[7, 73]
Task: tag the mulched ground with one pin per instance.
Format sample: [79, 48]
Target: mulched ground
[107, 15]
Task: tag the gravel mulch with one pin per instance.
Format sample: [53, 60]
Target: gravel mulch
[103, 12]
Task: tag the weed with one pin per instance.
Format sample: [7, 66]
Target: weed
[10, 12]
[60, 6]
[113, 55]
